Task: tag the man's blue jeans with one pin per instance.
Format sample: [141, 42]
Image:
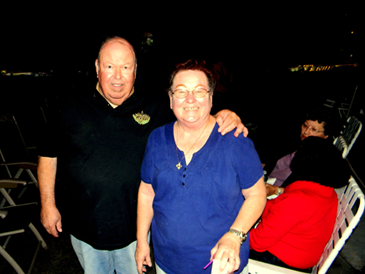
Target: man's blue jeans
[95, 261]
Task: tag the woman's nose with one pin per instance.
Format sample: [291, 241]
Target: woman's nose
[190, 97]
[308, 131]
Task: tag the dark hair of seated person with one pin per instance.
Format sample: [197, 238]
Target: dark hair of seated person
[318, 160]
[333, 124]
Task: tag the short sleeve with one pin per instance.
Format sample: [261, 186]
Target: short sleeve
[48, 139]
[246, 162]
[147, 166]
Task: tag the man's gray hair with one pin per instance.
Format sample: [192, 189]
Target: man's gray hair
[108, 39]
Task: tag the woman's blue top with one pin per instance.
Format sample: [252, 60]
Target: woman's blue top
[196, 205]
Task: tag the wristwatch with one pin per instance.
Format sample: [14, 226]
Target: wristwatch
[241, 235]
[279, 191]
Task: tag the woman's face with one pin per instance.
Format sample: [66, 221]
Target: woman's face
[191, 110]
[312, 128]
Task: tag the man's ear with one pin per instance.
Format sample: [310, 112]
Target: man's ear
[97, 67]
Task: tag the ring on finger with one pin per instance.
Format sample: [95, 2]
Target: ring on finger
[231, 259]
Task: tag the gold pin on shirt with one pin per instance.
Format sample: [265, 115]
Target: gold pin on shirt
[141, 118]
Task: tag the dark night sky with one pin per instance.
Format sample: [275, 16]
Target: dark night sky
[273, 36]
[254, 39]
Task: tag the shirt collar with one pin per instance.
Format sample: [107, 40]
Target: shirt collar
[99, 97]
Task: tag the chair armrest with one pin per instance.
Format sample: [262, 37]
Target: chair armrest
[3, 214]
[24, 165]
[11, 183]
[4, 211]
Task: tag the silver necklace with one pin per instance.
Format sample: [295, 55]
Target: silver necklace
[178, 166]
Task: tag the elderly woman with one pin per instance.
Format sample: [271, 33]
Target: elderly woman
[296, 226]
[321, 122]
[201, 191]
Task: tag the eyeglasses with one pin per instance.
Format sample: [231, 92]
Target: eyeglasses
[183, 93]
[310, 129]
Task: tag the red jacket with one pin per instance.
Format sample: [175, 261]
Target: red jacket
[296, 226]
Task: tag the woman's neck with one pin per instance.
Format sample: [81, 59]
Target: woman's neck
[192, 139]
[194, 128]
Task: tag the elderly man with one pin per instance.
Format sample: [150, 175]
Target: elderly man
[97, 147]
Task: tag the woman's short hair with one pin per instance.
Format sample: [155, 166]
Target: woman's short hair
[332, 123]
[195, 64]
[319, 161]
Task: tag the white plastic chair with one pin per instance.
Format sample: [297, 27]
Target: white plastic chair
[346, 140]
[17, 153]
[28, 167]
[16, 219]
[346, 222]
[341, 145]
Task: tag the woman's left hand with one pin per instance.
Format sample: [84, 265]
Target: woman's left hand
[228, 121]
[227, 250]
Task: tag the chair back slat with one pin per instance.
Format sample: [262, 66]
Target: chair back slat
[341, 145]
[347, 220]
[346, 140]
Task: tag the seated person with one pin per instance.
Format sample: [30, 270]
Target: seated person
[319, 122]
[296, 226]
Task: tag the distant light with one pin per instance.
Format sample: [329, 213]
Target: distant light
[311, 68]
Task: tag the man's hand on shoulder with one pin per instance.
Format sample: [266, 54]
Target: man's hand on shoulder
[228, 121]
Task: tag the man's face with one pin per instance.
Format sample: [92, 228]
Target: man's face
[116, 71]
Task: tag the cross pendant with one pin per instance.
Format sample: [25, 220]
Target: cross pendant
[178, 165]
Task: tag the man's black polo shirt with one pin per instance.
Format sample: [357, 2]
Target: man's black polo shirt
[99, 153]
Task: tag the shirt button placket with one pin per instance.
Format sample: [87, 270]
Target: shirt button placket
[183, 182]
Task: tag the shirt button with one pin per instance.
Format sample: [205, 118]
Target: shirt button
[183, 184]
